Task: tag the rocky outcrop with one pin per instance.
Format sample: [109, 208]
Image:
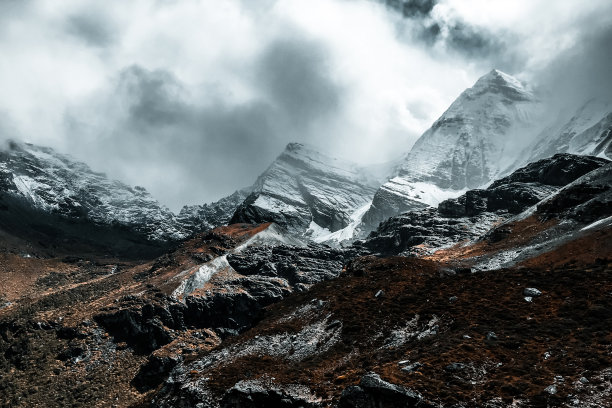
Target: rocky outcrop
[523, 188]
[154, 371]
[373, 392]
[422, 232]
[142, 325]
[255, 394]
[263, 275]
[472, 214]
[298, 266]
[585, 200]
[195, 218]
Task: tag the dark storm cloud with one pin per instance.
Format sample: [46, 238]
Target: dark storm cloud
[155, 97]
[94, 29]
[414, 8]
[452, 33]
[193, 100]
[295, 75]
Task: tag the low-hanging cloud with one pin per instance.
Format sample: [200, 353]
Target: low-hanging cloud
[194, 99]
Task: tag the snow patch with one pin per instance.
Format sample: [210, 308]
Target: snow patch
[600, 223]
[323, 235]
[272, 236]
[202, 276]
[425, 193]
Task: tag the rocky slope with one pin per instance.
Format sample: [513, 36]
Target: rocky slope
[465, 148]
[49, 198]
[196, 218]
[246, 315]
[308, 193]
[474, 213]
[400, 331]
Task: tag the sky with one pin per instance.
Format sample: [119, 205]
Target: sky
[193, 99]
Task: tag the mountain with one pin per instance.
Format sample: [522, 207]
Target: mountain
[206, 216]
[465, 148]
[425, 231]
[52, 197]
[309, 194]
[527, 258]
[588, 131]
[59, 200]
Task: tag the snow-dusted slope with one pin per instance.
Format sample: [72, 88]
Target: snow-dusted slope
[52, 183]
[465, 148]
[587, 132]
[305, 189]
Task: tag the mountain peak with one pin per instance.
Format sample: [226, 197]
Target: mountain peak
[302, 149]
[498, 82]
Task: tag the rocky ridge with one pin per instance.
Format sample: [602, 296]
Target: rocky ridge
[474, 213]
[586, 132]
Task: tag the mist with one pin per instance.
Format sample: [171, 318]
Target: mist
[193, 99]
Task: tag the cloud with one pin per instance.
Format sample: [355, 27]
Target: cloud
[94, 29]
[194, 99]
[154, 98]
[295, 74]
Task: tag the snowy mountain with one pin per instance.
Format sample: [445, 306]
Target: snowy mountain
[309, 194]
[465, 148]
[587, 132]
[49, 182]
[53, 194]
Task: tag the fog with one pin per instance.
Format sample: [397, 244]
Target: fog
[193, 99]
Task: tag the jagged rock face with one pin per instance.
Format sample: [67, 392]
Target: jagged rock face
[303, 187]
[587, 132]
[472, 214]
[463, 148]
[304, 266]
[263, 275]
[373, 392]
[203, 217]
[523, 188]
[421, 232]
[586, 200]
[254, 394]
[559, 170]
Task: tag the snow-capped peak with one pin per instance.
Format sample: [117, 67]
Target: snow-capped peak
[465, 148]
[496, 80]
[303, 186]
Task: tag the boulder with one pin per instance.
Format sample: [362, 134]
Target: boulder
[374, 392]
